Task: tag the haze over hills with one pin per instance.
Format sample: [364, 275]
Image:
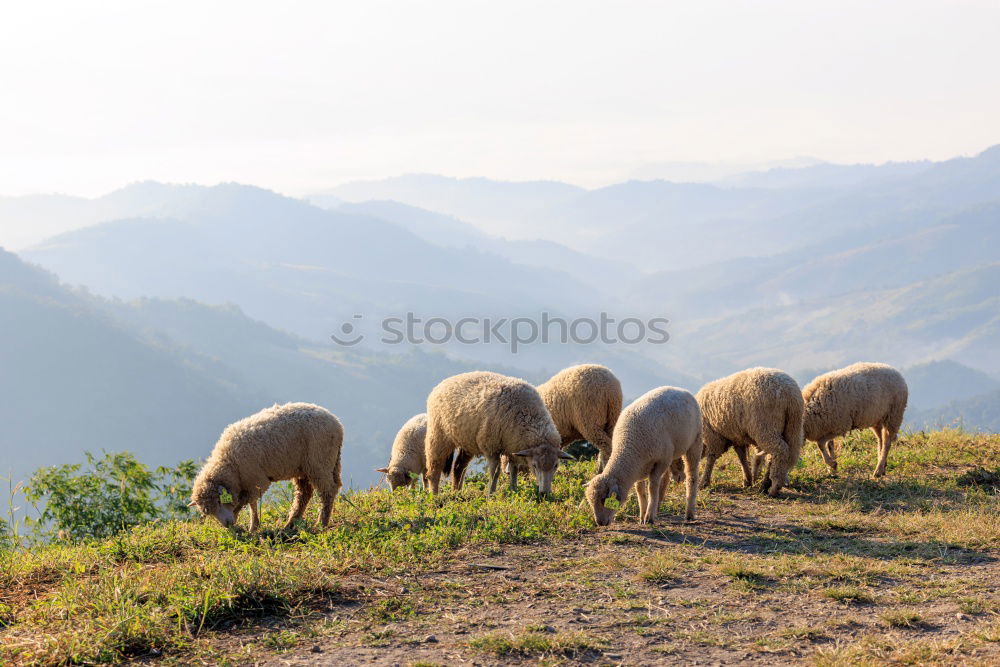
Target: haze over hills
[808, 269]
[658, 225]
[162, 378]
[289, 263]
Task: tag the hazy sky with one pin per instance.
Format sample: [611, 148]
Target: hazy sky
[299, 96]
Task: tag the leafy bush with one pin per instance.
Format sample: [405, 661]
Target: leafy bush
[114, 493]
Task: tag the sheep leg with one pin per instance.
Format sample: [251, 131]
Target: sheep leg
[748, 475]
[601, 439]
[691, 458]
[435, 467]
[303, 493]
[493, 468]
[254, 514]
[778, 466]
[461, 463]
[642, 493]
[328, 487]
[655, 485]
[886, 437]
[757, 464]
[706, 475]
[665, 480]
[512, 471]
[826, 449]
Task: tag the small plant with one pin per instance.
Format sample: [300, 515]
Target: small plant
[902, 619]
[973, 606]
[745, 578]
[566, 644]
[281, 640]
[807, 633]
[391, 610]
[660, 569]
[848, 594]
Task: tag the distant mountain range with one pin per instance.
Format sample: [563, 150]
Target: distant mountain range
[806, 269]
[162, 378]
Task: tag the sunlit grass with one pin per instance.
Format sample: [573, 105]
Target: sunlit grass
[846, 543]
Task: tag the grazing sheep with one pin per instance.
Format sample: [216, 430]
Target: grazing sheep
[861, 395]
[488, 414]
[584, 402]
[761, 407]
[406, 462]
[297, 441]
[661, 427]
[407, 459]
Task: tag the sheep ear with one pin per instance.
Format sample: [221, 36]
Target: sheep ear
[566, 455]
[525, 452]
[223, 492]
[192, 504]
[382, 470]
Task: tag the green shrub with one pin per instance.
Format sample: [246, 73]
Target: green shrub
[113, 494]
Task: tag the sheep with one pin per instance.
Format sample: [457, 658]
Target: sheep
[858, 396]
[584, 402]
[658, 429]
[297, 441]
[407, 460]
[488, 414]
[761, 407]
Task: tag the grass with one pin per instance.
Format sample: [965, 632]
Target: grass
[848, 594]
[755, 574]
[903, 618]
[537, 644]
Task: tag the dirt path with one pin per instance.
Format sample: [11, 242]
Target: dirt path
[716, 592]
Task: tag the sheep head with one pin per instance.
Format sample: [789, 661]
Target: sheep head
[397, 477]
[599, 489]
[544, 459]
[214, 499]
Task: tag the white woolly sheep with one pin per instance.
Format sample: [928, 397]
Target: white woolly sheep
[862, 395]
[407, 459]
[584, 402]
[297, 441]
[761, 407]
[662, 426]
[488, 414]
[407, 462]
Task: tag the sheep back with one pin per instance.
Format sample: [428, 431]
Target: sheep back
[486, 414]
[659, 426]
[582, 399]
[861, 395]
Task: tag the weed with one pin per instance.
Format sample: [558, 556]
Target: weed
[848, 594]
[567, 644]
[902, 619]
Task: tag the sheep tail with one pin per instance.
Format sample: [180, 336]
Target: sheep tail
[614, 405]
[793, 433]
